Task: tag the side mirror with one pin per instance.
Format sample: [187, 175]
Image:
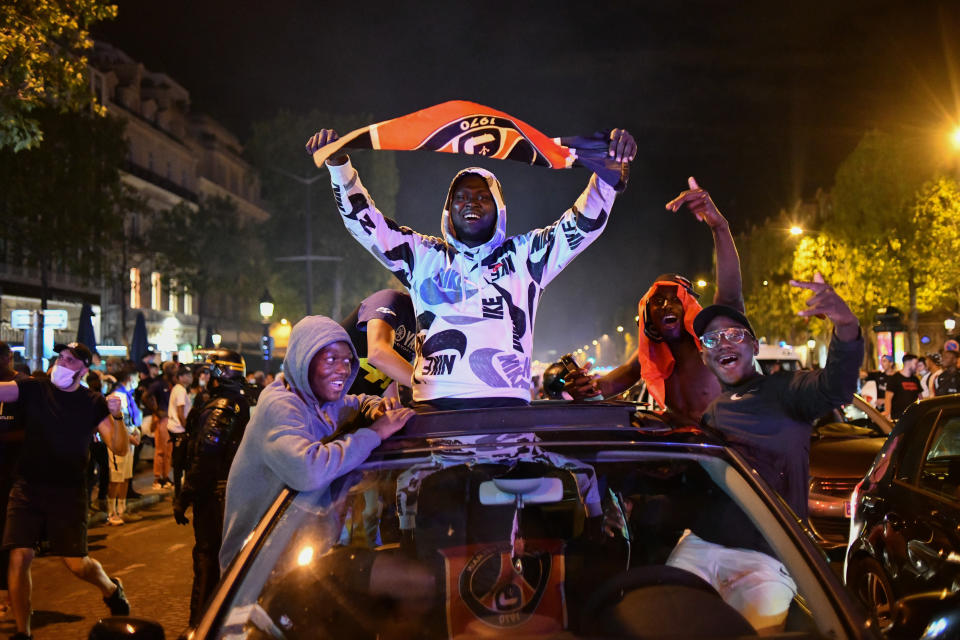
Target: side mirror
[125, 628]
[932, 614]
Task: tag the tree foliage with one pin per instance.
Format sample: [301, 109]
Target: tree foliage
[205, 247]
[42, 63]
[61, 200]
[276, 148]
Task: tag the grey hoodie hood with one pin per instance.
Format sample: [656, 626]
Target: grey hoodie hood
[500, 230]
[309, 336]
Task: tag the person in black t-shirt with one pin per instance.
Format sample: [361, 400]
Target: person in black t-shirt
[948, 378]
[767, 420]
[383, 329]
[48, 500]
[903, 388]
[11, 441]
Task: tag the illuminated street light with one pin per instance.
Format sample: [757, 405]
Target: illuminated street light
[216, 339]
[765, 283]
[594, 343]
[811, 344]
[266, 305]
[955, 137]
[619, 328]
[701, 283]
[796, 231]
[949, 324]
[636, 318]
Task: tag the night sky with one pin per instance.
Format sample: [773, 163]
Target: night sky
[759, 100]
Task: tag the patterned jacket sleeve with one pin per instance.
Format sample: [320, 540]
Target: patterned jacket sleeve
[552, 248]
[395, 246]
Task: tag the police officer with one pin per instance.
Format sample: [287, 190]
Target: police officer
[215, 433]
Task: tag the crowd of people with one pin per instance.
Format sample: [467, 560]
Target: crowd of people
[226, 442]
[892, 390]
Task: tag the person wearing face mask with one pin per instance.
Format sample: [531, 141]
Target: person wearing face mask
[48, 500]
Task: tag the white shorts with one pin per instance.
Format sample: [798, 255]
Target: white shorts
[121, 467]
[754, 583]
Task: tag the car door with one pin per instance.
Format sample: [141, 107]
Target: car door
[932, 540]
[922, 540]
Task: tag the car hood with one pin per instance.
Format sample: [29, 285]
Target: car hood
[846, 458]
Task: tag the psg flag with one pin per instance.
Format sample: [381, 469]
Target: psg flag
[469, 128]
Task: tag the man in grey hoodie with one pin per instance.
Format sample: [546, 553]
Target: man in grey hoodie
[288, 441]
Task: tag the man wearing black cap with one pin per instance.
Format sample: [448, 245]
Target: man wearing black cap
[668, 353]
[767, 419]
[49, 500]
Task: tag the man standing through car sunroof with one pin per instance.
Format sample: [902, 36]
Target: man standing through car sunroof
[475, 290]
[767, 420]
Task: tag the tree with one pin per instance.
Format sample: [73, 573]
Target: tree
[42, 64]
[207, 246]
[277, 148]
[875, 196]
[61, 200]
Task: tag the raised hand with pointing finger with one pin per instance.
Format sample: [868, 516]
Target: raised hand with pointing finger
[700, 203]
[824, 301]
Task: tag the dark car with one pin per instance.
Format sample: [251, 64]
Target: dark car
[548, 521]
[905, 532]
[842, 448]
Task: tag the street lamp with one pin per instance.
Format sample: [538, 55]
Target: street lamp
[949, 324]
[266, 310]
[701, 283]
[216, 339]
[955, 137]
[796, 231]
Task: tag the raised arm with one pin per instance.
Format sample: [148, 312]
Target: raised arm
[396, 247]
[729, 284]
[553, 247]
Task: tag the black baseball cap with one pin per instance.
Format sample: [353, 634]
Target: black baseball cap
[79, 350]
[707, 314]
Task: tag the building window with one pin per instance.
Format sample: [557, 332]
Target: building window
[156, 290]
[187, 303]
[134, 288]
[173, 299]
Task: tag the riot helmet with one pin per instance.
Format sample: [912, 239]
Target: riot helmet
[224, 364]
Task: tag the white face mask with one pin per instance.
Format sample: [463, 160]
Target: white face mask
[62, 377]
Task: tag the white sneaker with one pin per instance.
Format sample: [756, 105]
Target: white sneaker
[156, 486]
[115, 520]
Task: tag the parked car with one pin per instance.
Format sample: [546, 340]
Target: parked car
[905, 532]
[773, 357]
[842, 449]
[490, 523]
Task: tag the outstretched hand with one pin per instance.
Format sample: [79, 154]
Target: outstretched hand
[826, 302]
[321, 139]
[700, 203]
[622, 146]
[392, 421]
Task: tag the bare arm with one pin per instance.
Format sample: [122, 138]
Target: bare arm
[112, 429]
[887, 403]
[380, 353]
[9, 391]
[729, 284]
[621, 378]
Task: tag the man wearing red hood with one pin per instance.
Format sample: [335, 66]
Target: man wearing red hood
[668, 351]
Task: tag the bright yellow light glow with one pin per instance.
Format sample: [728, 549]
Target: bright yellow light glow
[305, 556]
[619, 329]
[283, 321]
[765, 283]
[955, 137]
[586, 347]
[594, 343]
[701, 283]
[636, 318]
[796, 231]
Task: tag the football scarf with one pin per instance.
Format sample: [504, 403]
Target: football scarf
[656, 359]
[473, 129]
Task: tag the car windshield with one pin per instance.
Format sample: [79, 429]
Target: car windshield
[520, 539]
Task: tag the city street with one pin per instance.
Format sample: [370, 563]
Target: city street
[151, 557]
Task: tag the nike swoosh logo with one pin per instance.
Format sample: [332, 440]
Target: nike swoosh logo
[739, 396]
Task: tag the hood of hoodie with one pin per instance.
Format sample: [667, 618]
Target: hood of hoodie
[500, 230]
[307, 337]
